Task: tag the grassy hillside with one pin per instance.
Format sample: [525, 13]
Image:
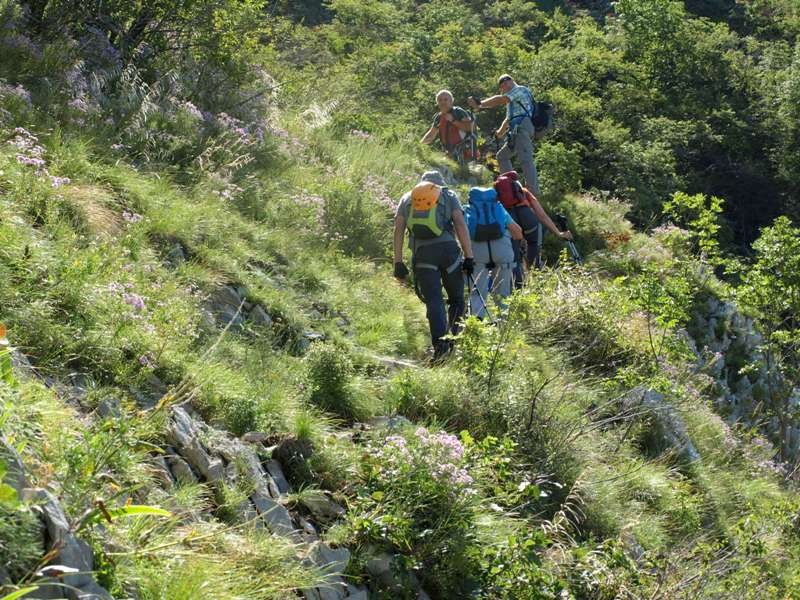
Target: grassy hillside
[185, 287]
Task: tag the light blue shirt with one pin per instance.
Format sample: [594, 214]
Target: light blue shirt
[521, 104]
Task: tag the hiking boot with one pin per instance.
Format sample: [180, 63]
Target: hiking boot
[441, 350]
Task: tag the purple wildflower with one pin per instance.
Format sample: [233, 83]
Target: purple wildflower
[134, 300]
[57, 182]
[131, 217]
[192, 111]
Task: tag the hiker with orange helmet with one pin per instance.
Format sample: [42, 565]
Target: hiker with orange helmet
[436, 227]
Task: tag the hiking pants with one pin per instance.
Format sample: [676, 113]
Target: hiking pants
[533, 232]
[438, 265]
[520, 143]
[493, 259]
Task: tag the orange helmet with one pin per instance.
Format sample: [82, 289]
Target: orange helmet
[425, 195]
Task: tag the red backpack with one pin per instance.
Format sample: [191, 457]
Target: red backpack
[509, 190]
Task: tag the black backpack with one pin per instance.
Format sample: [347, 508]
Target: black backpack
[543, 119]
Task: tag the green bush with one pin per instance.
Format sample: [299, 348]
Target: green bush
[420, 499]
[329, 376]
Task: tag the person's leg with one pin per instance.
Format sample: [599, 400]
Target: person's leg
[503, 157]
[503, 272]
[454, 286]
[523, 147]
[430, 287]
[518, 273]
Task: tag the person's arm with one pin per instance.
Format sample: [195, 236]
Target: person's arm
[489, 102]
[545, 219]
[399, 237]
[514, 229]
[430, 135]
[503, 129]
[462, 233]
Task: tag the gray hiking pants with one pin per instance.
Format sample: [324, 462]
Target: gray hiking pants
[493, 260]
[521, 145]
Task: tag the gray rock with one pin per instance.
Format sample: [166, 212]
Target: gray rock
[109, 408]
[357, 593]
[245, 462]
[332, 561]
[276, 472]
[224, 303]
[176, 256]
[383, 422]
[161, 473]
[255, 437]
[180, 469]
[322, 507]
[90, 591]
[260, 317]
[15, 470]
[183, 432]
[70, 551]
[307, 531]
[275, 516]
[21, 365]
[669, 429]
[4, 577]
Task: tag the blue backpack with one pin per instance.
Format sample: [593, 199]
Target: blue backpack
[485, 216]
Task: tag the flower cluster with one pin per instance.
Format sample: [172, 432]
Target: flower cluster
[362, 135]
[124, 291]
[193, 111]
[229, 192]
[131, 217]
[31, 154]
[317, 203]
[375, 187]
[439, 455]
[17, 91]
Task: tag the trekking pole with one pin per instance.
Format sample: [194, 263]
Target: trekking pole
[483, 300]
[561, 222]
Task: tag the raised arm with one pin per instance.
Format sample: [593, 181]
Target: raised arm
[545, 219]
[489, 102]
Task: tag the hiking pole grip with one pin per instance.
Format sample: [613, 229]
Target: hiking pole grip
[560, 219]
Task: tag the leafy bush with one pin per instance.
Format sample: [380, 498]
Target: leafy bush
[420, 484]
[329, 375]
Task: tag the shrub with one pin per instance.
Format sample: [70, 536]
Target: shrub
[329, 373]
[420, 486]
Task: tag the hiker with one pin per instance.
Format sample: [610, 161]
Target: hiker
[453, 126]
[491, 229]
[433, 216]
[527, 211]
[517, 127]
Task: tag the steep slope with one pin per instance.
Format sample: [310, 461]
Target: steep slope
[140, 303]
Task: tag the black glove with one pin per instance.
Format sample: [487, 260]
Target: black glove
[468, 266]
[400, 270]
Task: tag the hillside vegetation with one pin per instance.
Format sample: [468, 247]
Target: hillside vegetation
[212, 387]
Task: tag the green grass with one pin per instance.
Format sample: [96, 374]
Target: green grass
[545, 387]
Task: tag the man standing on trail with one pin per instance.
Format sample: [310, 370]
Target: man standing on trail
[517, 127]
[452, 124]
[433, 216]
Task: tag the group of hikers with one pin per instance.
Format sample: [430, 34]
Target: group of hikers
[489, 242]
